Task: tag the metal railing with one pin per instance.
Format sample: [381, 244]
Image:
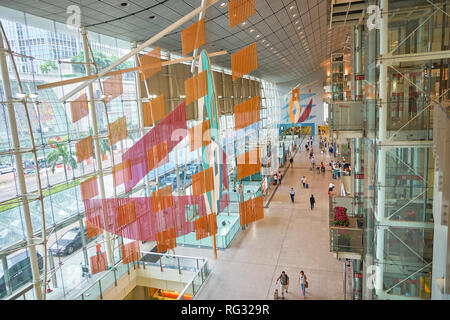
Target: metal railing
[148, 259]
[193, 287]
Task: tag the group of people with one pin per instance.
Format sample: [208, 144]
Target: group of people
[284, 281]
[277, 178]
[340, 167]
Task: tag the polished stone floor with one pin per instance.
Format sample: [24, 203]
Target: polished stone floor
[290, 238]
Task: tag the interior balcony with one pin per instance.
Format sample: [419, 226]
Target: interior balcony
[346, 119]
[346, 241]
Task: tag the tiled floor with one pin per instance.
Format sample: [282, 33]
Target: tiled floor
[292, 237]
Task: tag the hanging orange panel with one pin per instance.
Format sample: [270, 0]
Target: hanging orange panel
[98, 263]
[126, 213]
[154, 110]
[209, 179]
[157, 153]
[259, 208]
[193, 37]
[117, 173]
[151, 63]
[200, 135]
[201, 228]
[162, 199]
[166, 197]
[212, 224]
[251, 210]
[248, 163]
[131, 252]
[244, 61]
[203, 182]
[89, 188]
[79, 108]
[161, 245]
[126, 171]
[240, 10]
[198, 184]
[166, 239]
[196, 87]
[91, 230]
[84, 149]
[112, 87]
[246, 113]
[117, 130]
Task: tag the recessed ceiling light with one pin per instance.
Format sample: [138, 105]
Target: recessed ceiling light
[263, 40]
[252, 30]
[258, 35]
[298, 28]
[244, 23]
[223, 5]
[296, 22]
[295, 15]
[124, 4]
[292, 7]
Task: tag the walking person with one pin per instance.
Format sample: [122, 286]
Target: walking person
[292, 162]
[303, 283]
[292, 193]
[330, 188]
[284, 280]
[312, 201]
[303, 181]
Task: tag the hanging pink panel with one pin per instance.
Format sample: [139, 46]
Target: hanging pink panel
[135, 218]
[171, 130]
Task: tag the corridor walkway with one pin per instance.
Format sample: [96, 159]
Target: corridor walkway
[290, 238]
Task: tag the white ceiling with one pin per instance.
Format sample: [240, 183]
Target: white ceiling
[293, 34]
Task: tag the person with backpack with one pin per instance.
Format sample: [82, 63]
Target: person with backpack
[303, 283]
[292, 193]
[312, 201]
[284, 280]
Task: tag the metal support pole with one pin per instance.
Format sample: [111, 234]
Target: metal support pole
[20, 175]
[83, 241]
[98, 157]
[51, 261]
[382, 135]
[6, 275]
[140, 110]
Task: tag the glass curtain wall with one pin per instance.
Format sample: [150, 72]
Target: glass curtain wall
[397, 147]
[51, 52]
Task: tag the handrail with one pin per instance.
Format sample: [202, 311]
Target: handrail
[190, 283]
[113, 269]
[172, 255]
[99, 279]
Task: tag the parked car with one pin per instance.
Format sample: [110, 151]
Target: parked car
[68, 243]
[6, 169]
[19, 270]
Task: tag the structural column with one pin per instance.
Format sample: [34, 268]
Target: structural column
[140, 108]
[381, 157]
[98, 156]
[14, 135]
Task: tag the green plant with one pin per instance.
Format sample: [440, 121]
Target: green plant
[340, 217]
[48, 66]
[102, 60]
[104, 144]
[61, 153]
